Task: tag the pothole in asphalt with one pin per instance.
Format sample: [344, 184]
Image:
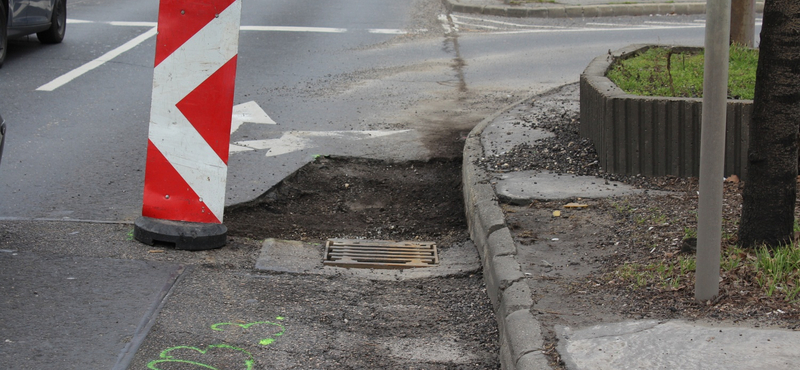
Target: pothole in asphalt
[352, 198]
[334, 198]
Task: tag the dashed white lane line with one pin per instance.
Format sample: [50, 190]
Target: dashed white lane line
[293, 29]
[134, 24]
[394, 31]
[77, 72]
[99, 61]
[457, 19]
[608, 24]
[388, 31]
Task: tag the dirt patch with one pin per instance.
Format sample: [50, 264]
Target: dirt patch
[625, 257]
[335, 197]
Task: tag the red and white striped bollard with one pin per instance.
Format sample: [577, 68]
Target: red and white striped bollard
[190, 121]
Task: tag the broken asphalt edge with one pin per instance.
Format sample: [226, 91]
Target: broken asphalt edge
[520, 334]
[581, 11]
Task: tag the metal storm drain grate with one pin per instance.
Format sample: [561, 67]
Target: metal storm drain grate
[356, 253]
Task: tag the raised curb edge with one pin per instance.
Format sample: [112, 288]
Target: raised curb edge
[609, 10]
[521, 340]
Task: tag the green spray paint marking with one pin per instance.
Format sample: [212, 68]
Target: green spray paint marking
[263, 342]
[167, 358]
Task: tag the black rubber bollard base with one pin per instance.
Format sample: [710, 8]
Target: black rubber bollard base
[191, 236]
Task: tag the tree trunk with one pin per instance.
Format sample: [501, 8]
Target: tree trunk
[770, 190]
[743, 22]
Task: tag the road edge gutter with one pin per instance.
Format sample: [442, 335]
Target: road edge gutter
[150, 317]
[520, 334]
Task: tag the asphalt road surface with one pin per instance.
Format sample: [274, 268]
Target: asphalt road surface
[381, 79]
[378, 79]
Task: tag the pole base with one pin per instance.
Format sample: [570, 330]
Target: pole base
[184, 235]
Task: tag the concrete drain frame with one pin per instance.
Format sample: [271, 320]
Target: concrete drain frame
[380, 254]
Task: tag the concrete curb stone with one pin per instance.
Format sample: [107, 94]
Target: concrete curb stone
[506, 271]
[524, 335]
[502, 243]
[520, 333]
[516, 297]
[585, 11]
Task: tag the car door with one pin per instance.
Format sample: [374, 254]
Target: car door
[17, 10]
[39, 11]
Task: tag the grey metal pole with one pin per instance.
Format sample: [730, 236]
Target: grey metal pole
[743, 22]
[712, 148]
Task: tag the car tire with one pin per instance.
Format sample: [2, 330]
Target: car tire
[3, 34]
[58, 25]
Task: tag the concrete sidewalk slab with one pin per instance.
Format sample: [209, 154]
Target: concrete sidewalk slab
[524, 187]
[77, 312]
[677, 345]
[303, 258]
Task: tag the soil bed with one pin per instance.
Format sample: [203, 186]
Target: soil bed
[359, 198]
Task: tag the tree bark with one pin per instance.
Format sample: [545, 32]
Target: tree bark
[770, 190]
[743, 22]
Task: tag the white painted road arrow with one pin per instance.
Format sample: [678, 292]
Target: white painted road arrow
[293, 141]
[290, 141]
[249, 112]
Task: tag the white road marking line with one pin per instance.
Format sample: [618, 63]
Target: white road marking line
[476, 25]
[389, 31]
[610, 24]
[77, 72]
[455, 18]
[671, 23]
[293, 29]
[393, 31]
[758, 21]
[134, 24]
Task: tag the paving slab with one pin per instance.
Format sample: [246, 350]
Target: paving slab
[64, 312]
[291, 256]
[525, 186]
[677, 345]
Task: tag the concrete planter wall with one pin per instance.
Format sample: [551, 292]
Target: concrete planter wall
[652, 136]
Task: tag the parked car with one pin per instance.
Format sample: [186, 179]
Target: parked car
[46, 18]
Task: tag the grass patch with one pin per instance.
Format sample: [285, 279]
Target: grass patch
[662, 72]
[776, 271]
